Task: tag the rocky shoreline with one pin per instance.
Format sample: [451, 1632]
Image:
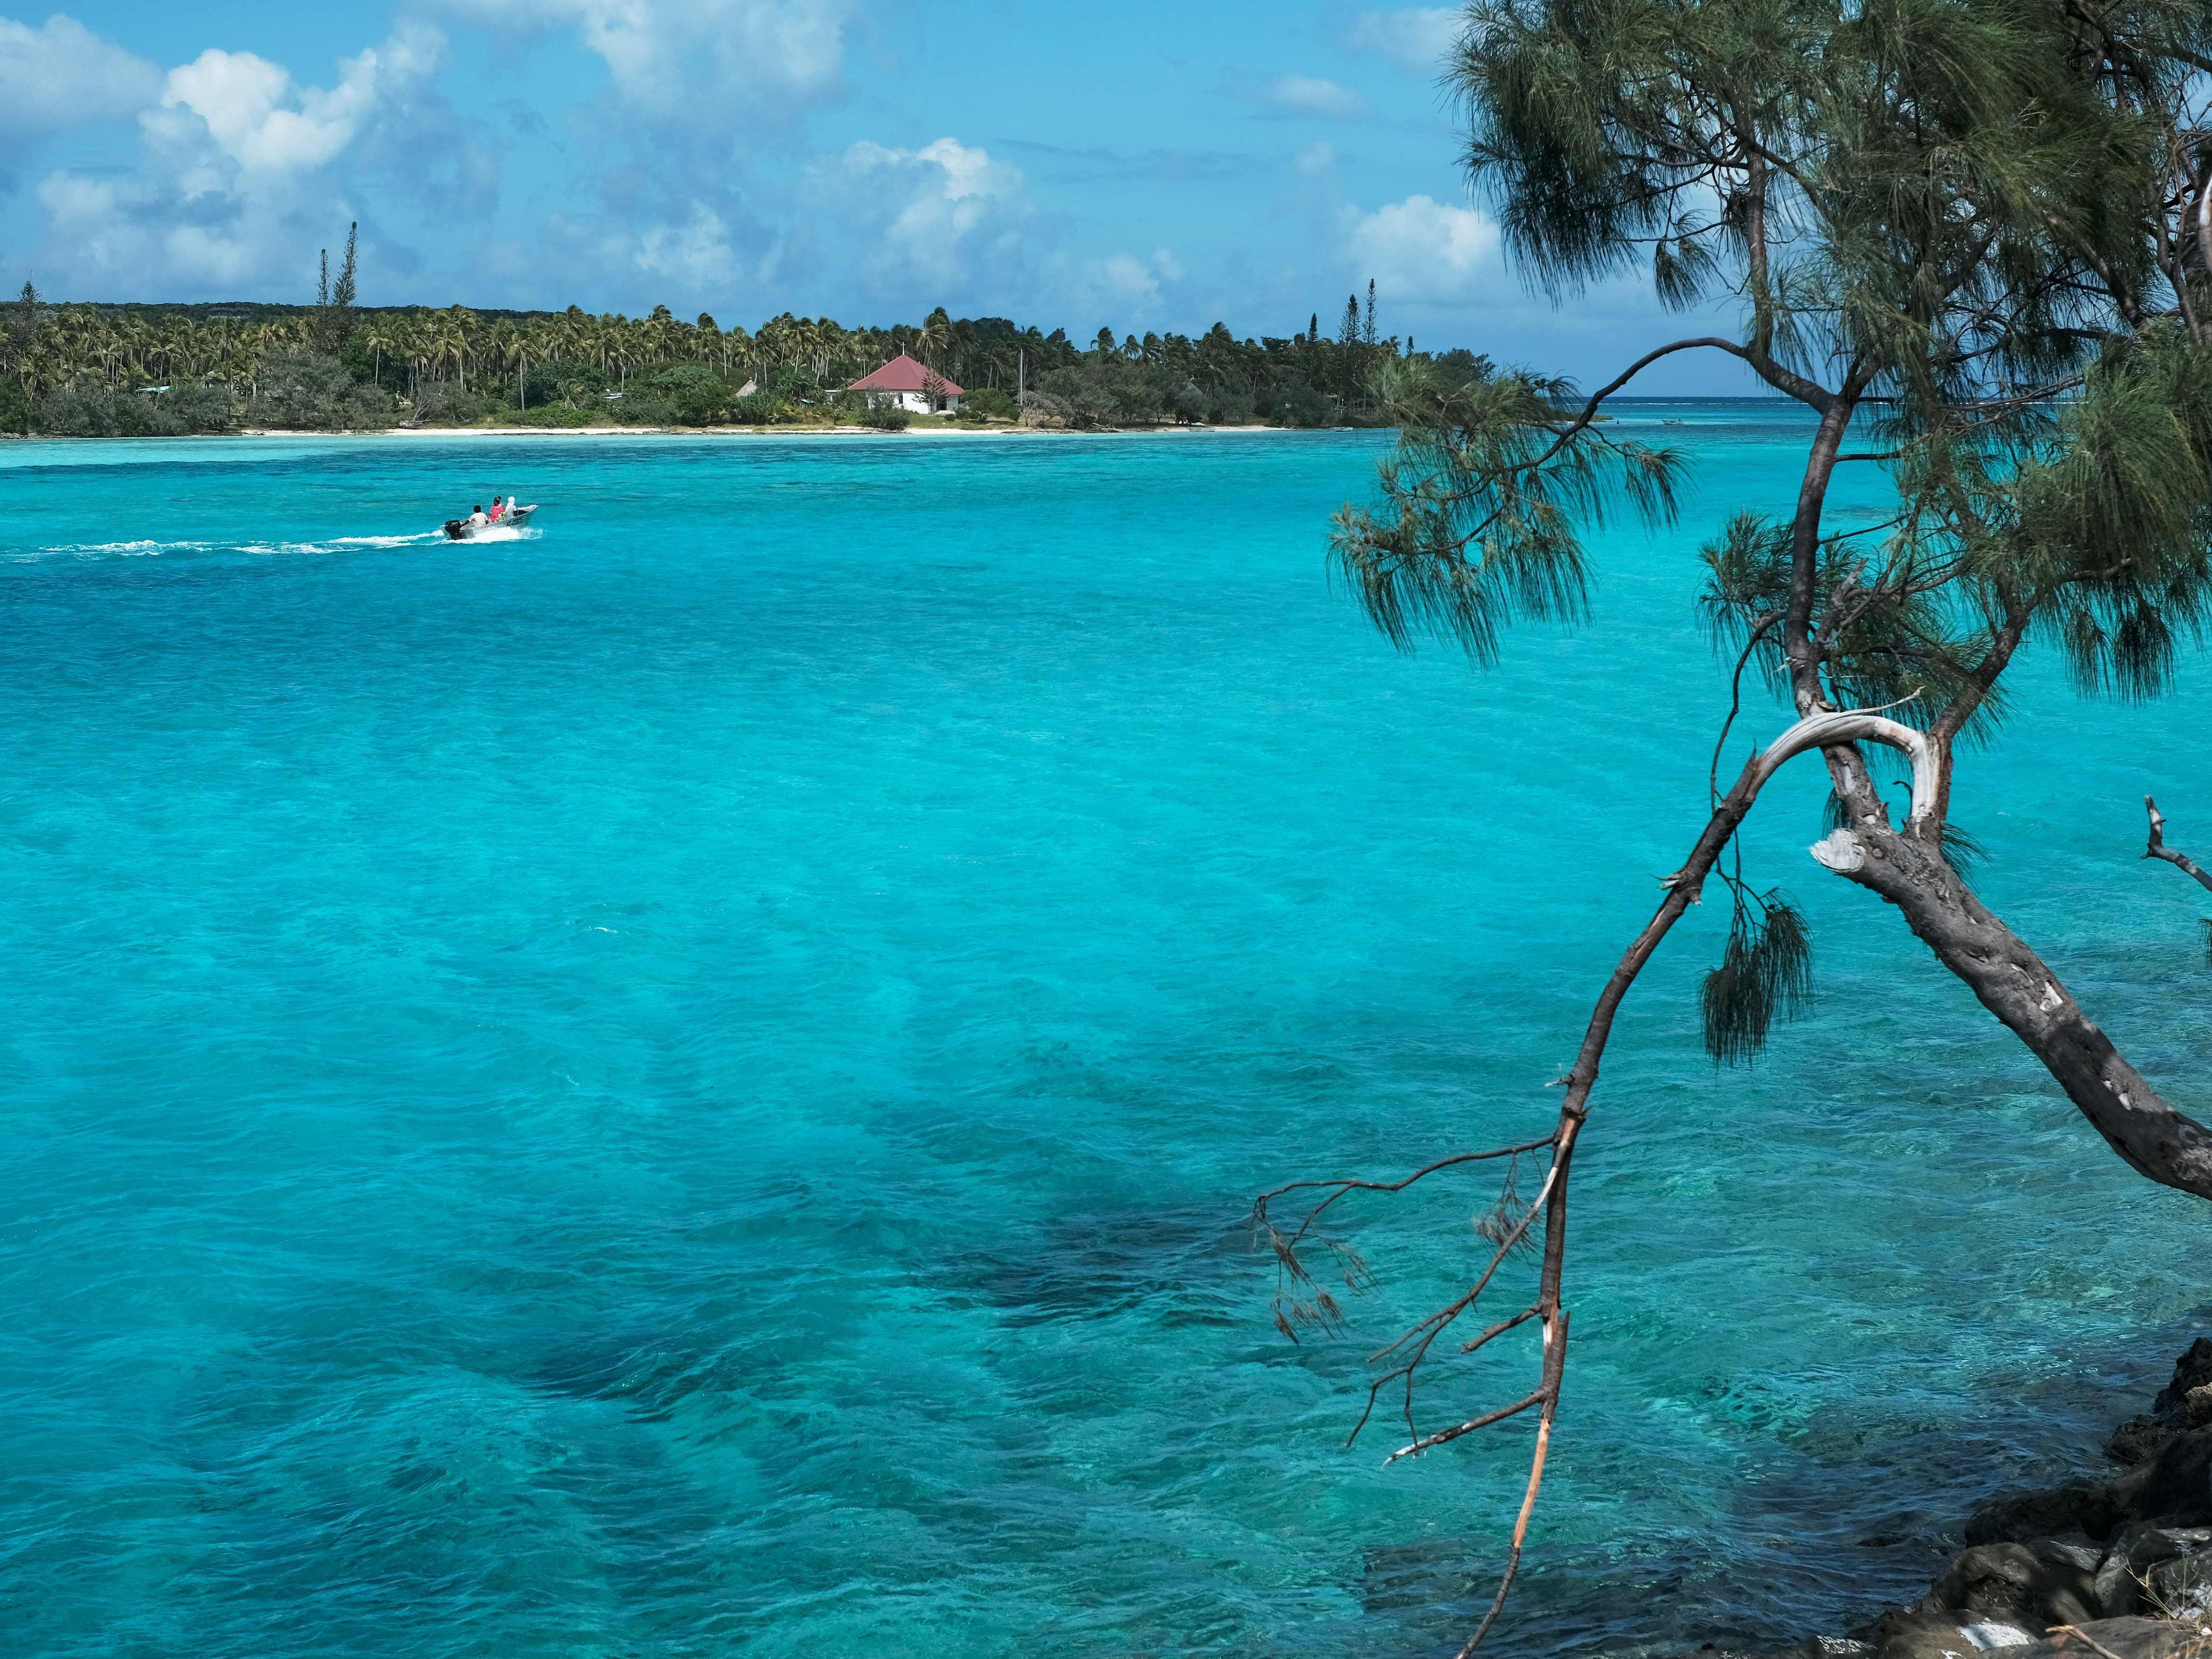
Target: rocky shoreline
[2119, 1567]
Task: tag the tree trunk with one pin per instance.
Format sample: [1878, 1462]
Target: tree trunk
[1910, 872]
[2015, 985]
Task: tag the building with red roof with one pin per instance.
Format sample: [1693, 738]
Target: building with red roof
[905, 384]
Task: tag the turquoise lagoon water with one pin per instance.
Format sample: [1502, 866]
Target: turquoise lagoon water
[689, 1083]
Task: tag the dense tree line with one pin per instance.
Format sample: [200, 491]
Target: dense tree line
[107, 370]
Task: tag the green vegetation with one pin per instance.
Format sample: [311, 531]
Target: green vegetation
[311, 392]
[986, 403]
[336, 366]
[95, 412]
[696, 394]
[1973, 239]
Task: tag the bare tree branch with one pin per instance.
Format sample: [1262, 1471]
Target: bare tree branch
[2159, 849]
[1260, 1204]
[1483, 1422]
[1683, 887]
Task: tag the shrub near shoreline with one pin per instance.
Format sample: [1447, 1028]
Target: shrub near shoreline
[311, 392]
[96, 412]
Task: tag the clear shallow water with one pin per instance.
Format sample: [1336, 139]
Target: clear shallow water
[689, 1083]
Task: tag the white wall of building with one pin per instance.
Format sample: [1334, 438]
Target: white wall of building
[913, 402]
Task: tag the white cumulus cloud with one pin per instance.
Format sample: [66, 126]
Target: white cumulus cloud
[696, 63]
[1304, 94]
[695, 255]
[1424, 252]
[1415, 38]
[259, 120]
[62, 74]
[239, 183]
[1125, 287]
[935, 219]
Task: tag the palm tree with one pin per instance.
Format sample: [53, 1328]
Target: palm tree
[936, 332]
[376, 334]
[508, 348]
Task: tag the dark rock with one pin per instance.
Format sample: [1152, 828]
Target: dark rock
[2193, 1370]
[2032, 1586]
[1921, 1633]
[2121, 1638]
[2182, 1588]
[2175, 1487]
[2121, 1577]
[2135, 1440]
[2079, 1506]
[2076, 1572]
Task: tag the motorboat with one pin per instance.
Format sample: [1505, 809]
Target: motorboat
[468, 528]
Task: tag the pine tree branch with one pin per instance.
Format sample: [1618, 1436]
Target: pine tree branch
[1597, 398]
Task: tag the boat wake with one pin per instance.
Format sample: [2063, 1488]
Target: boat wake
[124, 549]
[151, 549]
[341, 543]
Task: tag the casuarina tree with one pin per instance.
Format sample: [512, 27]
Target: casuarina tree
[1972, 237]
[333, 319]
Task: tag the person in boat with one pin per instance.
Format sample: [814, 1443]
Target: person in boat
[498, 508]
[477, 520]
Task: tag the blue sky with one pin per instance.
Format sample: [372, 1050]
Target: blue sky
[1145, 165]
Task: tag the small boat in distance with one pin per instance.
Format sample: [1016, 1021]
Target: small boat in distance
[468, 528]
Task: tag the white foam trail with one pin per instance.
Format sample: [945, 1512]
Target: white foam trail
[267, 549]
[148, 548]
[348, 543]
[141, 550]
[133, 550]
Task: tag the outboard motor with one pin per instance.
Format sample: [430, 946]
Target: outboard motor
[457, 529]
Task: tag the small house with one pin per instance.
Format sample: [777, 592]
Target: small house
[905, 384]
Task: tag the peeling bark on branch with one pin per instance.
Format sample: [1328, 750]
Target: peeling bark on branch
[1832, 730]
[2159, 849]
[2019, 987]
